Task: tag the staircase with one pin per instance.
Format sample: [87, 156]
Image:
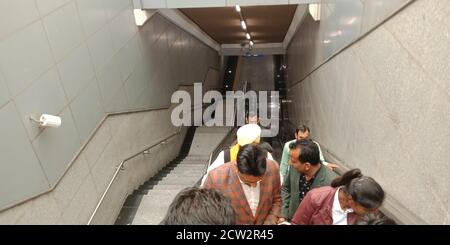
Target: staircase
[149, 203]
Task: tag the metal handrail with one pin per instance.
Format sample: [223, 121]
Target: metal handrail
[121, 167]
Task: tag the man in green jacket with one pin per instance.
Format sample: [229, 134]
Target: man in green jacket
[306, 173]
[302, 132]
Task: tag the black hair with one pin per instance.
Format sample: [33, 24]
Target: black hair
[303, 129]
[309, 151]
[374, 219]
[364, 190]
[266, 147]
[251, 160]
[194, 206]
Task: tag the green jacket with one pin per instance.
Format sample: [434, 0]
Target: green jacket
[284, 164]
[290, 188]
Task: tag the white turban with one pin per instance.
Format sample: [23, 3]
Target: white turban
[248, 134]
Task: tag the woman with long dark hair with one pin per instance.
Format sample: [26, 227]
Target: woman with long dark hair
[347, 199]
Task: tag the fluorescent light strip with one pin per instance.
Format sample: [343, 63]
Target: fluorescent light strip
[243, 24]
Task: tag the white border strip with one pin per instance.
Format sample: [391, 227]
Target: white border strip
[174, 4]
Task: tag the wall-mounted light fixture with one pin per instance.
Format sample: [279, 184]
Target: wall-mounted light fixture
[141, 16]
[314, 11]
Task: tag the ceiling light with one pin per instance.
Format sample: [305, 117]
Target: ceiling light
[247, 35]
[244, 25]
[251, 43]
[238, 8]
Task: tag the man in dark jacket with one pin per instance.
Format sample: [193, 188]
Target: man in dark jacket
[306, 173]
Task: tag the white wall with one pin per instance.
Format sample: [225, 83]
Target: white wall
[76, 196]
[79, 59]
[383, 104]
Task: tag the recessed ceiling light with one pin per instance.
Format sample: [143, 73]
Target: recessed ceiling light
[247, 35]
[244, 25]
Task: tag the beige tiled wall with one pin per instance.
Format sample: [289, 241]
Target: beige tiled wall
[383, 105]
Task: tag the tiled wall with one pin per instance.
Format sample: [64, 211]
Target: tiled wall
[79, 59]
[341, 22]
[383, 104]
[76, 196]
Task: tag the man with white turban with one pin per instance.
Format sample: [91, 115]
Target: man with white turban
[248, 134]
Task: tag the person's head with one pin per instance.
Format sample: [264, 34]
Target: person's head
[249, 134]
[363, 194]
[374, 219]
[252, 118]
[266, 147]
[304, 156]
[302, 132]
[251, 164]
[194, 206]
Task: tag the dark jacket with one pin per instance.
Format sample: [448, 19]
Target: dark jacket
[316, 208]
[290, 188]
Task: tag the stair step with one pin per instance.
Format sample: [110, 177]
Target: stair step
[133, 201]
[152, 211]
[193, 163]
[194, 158]
[182, 171]
[191, 176]
[174, 182]
[169, 187]
[186, 169]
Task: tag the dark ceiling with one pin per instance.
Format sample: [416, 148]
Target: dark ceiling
[266, 24]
